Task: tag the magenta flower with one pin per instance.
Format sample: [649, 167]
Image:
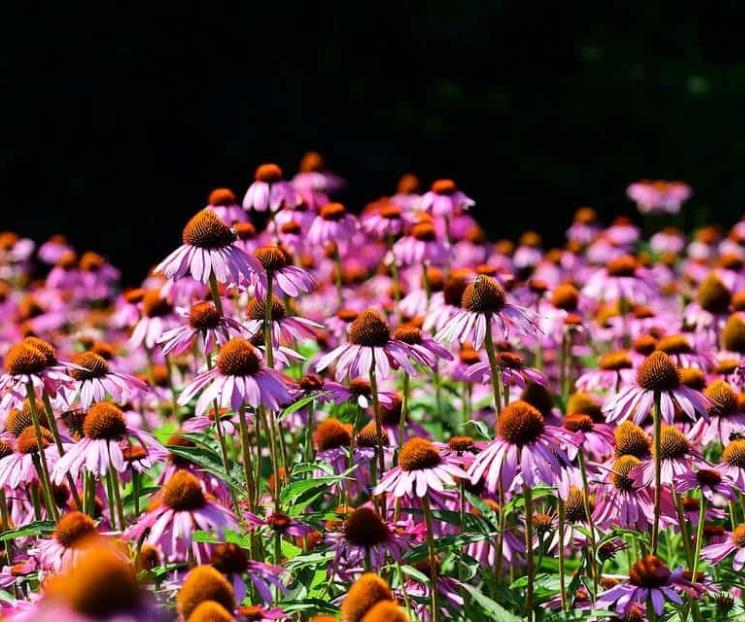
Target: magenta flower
[184, 507]
[384, 220]
[621, 279]
[421, 470]
[525, 452]
[157, 317]
[285, 327]
[444, 199]
[209, 248]
[269, 191]
[94, 380]
[280, 523]
[333, 224]
[238, 379]
[594, 437]
[733, 463]
[234, 563]
[421, 245]
[649, 581]
[511, 367]
[424, 350]
[659, 197]
[18, 468]
[715, 553]
[366, 535]
[102, 447]
[31, 362]
[484, 306]
[656, 374]
[678, 455]
[624, 501]
[61, 551]
[286, 278]
[203, 320]
[224, 203]
[714, 485]
[369, 347]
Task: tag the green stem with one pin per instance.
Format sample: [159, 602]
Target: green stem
[52, 421]
[432, 559]
[495, 371]
[43, 467]
[528, 494]
[215, 293]
[656, 413]
[117, 496]
[404, 410]
[562, 584]
[4, 514]
[338, 276]
[590, 521]
[247, 464]
[378, 418]
[268, 341]
[136, 490]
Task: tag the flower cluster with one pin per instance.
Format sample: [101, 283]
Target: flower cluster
[312, 412]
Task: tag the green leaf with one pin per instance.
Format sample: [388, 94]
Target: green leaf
[494, 610]
[209, 460]
[303, 492]
[300, 404]
[308, 605]
[480, 427]
[39, 527]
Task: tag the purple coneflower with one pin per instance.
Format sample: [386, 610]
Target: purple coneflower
[102, 447]
[94, 379]
[421, 245]
[512, 369]
[714, 485]
[286, 278]
[269, 191]
[715, 553]
[224, 203]
[32, 362]
[205, 321]
[284, 327]
[677, 455]
[62, 550]
[649, 581]
[333, 224]
[182, 508]
[365, 540]
[526, 451]
[280, 523]
[233, 562]
[485, 304]
[157, 317]
[623, 501]
[19, 467]
[421, 469]
[444, 199]
[208, 249]
[369, 347]
[656, 376]
[621, 279]
[593, 437]
[658, 196]
[733, 463]
[238, 379]
[726, 419]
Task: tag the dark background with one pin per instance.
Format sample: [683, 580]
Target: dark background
[115, 123]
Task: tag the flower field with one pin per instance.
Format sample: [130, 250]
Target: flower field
[312, 413]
